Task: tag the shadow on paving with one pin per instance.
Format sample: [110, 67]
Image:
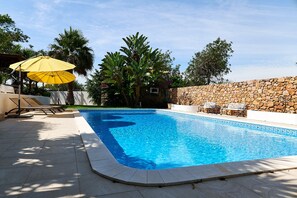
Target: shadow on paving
[44, 157]
[39, 158]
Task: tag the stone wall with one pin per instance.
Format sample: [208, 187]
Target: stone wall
[274, 95]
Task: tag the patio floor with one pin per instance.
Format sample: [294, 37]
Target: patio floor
[44, 157]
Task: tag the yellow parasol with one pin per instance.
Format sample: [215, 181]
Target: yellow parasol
[56, 77]
[41, 64]
[38, 64]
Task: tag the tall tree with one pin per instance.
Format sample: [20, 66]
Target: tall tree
[173, 75]
[135, 68]
[211, 64]
[114, 69]
[138, 65]
[72, 46]
[93, 87]
[138, 55]
[10, 35]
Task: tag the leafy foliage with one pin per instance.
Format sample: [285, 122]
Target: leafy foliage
[114, 72]
[3, 77]
[209, 65]
[39, 91]
[72, 47]
[136, 67]
[10, 35]
[142, 63]
[93, 87]
[174, 78]
[63, 87]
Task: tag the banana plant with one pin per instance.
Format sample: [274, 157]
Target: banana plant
[113, 68]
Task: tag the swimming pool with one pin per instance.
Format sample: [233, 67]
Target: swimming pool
[155, 139]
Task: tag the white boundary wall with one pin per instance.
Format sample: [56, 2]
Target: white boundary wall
[6, 104]
[285, 118]
[80, 98]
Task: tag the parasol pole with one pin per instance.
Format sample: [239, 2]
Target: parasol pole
[19, 90]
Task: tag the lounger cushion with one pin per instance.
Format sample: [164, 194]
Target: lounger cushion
[209, 105]
[237, 106]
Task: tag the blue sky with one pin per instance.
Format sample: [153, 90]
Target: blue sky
[264, 33]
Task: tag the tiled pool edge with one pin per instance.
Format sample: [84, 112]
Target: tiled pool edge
[103, 163]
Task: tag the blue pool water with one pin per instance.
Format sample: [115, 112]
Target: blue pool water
[154, 139]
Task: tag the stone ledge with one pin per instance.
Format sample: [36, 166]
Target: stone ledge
[184, 108]
[284, 118]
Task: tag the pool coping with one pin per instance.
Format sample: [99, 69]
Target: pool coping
[104, 164]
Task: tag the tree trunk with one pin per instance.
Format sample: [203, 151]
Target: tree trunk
[30, 87]
[137, 95]
[208, 80]
[70, 96]
[125, 98]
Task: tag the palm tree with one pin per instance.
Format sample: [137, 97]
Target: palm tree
[93, 86]
[141, 62]
[71, 46]
[113, 69]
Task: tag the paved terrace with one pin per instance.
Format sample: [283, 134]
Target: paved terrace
[44, 157]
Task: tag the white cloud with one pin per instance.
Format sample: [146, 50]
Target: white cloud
[263, 32]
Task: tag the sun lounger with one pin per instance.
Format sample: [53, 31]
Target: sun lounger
[26, 107]
[238, 109]
[209, 107]
[36, 103]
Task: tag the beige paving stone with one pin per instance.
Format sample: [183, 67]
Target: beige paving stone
[243, 167]
[4, 146]
[114, 169]
[167, 176]
[14, 175]
[93, 185]
[99, 154]
[102, 165]
[277, 184]
[10, 190]
[154, 177]
[47, 175]
[140, 176]
[181, 191]
[81, 154]
[292, 172]
[32, 152]
[27, 139]
[52, 171]
[132, 194]
[12, 134]
[27, 145]
[181, 174]
[206, 171]
[58, 158]
[57, 149]
[224, 189]
[51, 188]
[84, 168]
[28, 161]
[67, 141]
[125, 175]
[77, 141]
[8, 141]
